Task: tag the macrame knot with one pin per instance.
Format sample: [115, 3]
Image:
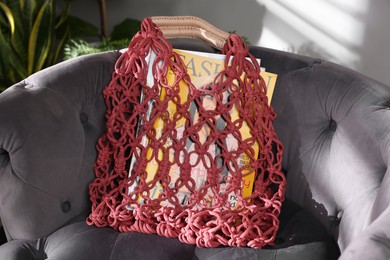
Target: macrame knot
[254, 75]
[122, 65]
[231, 73]
[147, 26]
[233, 44]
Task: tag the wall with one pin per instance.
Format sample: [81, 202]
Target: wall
[354, 33]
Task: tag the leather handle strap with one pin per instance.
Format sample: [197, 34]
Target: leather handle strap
[191, 27]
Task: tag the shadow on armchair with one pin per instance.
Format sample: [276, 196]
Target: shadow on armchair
[3, 239]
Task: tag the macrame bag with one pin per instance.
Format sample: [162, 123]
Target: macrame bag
[147, 177]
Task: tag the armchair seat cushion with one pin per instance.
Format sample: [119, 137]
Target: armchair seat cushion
[300, 236]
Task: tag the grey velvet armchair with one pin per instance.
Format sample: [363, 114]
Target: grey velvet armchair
[333, 122]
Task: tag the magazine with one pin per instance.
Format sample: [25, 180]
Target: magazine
[202, 69]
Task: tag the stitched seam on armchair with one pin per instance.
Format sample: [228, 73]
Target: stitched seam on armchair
[374, 190]
[33, 186]
[37, 86]
[97, 93]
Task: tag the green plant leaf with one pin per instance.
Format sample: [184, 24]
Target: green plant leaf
[64, 15]
[81, 29]
[60, 46]
[19, 39]
[20, 35]
[12, 67]
[21, 3]
[9, 15]
[18, 42]
[20, 71]
[4, 59]
[3, 21]
[29, 13]
[40, 38]
[77, 48]
[126, 29]
[34, 42]
[11, 70]
[16, 8]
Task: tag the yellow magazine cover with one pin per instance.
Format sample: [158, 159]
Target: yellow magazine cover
[202, 68]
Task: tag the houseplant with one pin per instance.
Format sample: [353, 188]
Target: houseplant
[33, 34]
[118, 39]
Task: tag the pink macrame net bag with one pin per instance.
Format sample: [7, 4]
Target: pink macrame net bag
[123, 193]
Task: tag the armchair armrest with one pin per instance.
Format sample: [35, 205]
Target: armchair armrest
[21, 250]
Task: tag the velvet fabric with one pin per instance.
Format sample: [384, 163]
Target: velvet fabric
[333, 122]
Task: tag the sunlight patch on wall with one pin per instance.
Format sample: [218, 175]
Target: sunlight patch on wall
[273, 40]
[328, 19]
[354, 7]
[322, 24]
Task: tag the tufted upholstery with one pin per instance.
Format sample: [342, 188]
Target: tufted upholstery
[333, 122]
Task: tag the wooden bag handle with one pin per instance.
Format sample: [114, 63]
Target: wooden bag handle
[191, 27]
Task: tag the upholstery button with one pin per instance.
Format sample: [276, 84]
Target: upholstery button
[66, 206]
[332, 125]
[386, 104]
